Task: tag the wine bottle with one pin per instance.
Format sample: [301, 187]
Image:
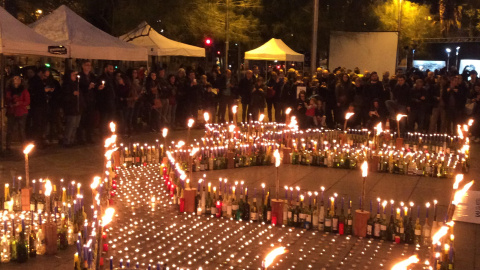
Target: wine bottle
[426, 230]
[22, 244]
[341, 221]
[315, 213]
[269, 209]
[208, 202]
[349, 226]
[239, 215]
[328, 221]
[400, 237]
[321, 216]
[285, 212]
[253, 208]
[246, 208]
[383, 226]
[5, 248]
[377, 223]
[291, 214]
[418, 229]
[391, 228]
[213, 203]
[333, 209]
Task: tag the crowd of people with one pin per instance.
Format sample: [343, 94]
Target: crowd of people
[77, 109]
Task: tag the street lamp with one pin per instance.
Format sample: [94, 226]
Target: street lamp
[456, 57]
[448, 50]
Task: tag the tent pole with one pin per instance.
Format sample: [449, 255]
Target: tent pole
[2, 100]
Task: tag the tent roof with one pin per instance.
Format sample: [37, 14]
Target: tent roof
[85, 40]
[274, 49]
[145, 36]
[17, 38]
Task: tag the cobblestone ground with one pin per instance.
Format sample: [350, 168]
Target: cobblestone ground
[82, 163]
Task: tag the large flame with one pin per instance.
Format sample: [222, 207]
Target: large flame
[261, 117]
[273, 254]
[470, 122]
[460, 132]
[365, 169]
[288, 111]
[403, 265]
[460, 193]
[439, 234]
[28, 149]
[400, 116]
[107, 218]
[96, 182]
[48, 187]
[379, 128]
[458, 179]
[276, 154]
[231, 128]
[194, 151]
[348, 115]
[206, 116]
[234, 108]
[112, 127]
[190, 122]
[164, 132]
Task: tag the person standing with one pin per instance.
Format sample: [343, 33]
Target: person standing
[87, 90]
[181, 98]
[343, 93]
[225, 85]
[172, 101]
[288, 96]
[194, 95]
[38, 107]
[105, 97]
[438, 117]
[54, 118]
[245, 89]
[164, 97]
[132, 101]
[417, 106]
[17, 100]
[257, 104]
[73, 105]
[270, 96]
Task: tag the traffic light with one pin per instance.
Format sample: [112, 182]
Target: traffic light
[218, 52]
[208, 41]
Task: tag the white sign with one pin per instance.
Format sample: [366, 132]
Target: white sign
[468, 210]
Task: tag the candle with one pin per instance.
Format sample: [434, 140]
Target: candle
[435, 210]
[428, 206]
[111, 262]
[286, 192]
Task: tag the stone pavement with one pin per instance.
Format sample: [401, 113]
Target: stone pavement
[82, 163]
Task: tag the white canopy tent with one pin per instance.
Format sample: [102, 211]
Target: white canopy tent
[145, 36]
[274, 49]
[17, 38]
[85, 40]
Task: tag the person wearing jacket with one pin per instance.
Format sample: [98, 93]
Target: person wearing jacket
[87, 90]
[245, 89]
[438, 116]
[105, 97]
[417, 107]
[288, 97]
[17, 100]
[73, 105]
[257, 104]
[343, 93]
[54, 119]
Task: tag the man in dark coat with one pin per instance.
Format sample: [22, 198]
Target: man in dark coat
[245, 88]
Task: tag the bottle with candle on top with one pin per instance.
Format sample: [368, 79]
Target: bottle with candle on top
[349, 223]
[328, 219]
[426, 229]
[246, 207]
[253, 208]
[22, 244]
[370, 223]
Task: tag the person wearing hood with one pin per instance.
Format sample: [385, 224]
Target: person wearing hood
[17, 100]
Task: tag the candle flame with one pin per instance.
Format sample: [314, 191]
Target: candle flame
[263, 185]
[427, 205]
[273, 254]
[460, 132]
[164, 132]
[112, 127]
[365, 169]
[277, 158]
[190, 122]
[348, 115]
[460, 193]
[384, 204]
[206, 116]
[458, 179]
[470, 122]
[48, 187]
[403, 265]
[234, 108]
[231, 128]
[107, 218]
[322, 188]
[400, 116]
[194, 151]
[28, 149]
[288, 111]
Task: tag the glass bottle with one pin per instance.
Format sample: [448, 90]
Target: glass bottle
[349, 225]
[32, 243]
[370, 223]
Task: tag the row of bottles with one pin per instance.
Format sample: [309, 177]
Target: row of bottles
[139, 155]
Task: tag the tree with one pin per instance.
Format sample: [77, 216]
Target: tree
[416, 21]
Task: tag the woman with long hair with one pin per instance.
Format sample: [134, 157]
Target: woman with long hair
[17, 100]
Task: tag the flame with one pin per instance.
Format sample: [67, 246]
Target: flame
[403, 265]
[288, 111]
[293, 123]
[263, 185]
[107, 218]
[470, 122]
[231, 128]
[206, 116]
[465, 128]
[190, 122]
[400, 116]
[96, 182]
[460, 193]
[460, 132]
[273, 254]
[164, 132]
[234, 108]
[379, 128]
[365, 169]
[261, 117]
[28, 149]
[276, 155]
[194, 151]
[348, 115]
[384, 204]
[458, 179]
[180, 144]
[48, 187]
[112, 127]
[439, 234]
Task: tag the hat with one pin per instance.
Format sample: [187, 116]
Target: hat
[374, 72]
